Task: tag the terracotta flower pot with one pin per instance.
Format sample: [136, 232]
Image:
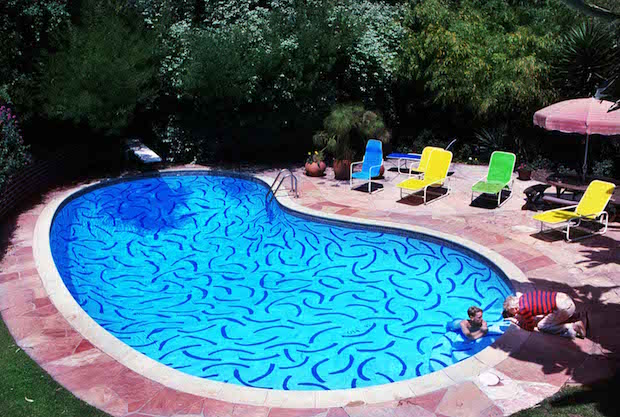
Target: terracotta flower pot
[342, 169]
[524, 174]
[315, 169]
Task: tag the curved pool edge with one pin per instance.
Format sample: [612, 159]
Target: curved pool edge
[171, 378]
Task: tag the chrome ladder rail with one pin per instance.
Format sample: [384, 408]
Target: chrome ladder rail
[272, 192]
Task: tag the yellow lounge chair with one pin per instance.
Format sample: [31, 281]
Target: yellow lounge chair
[421, 168]
[435, 175]
[591, 207]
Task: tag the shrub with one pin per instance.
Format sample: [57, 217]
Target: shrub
[13, 152]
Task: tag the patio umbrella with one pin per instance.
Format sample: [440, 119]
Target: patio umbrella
[588, 116]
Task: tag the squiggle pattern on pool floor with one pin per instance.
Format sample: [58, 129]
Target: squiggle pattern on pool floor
[195, 272]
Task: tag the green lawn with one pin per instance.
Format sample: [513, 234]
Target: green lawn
[21, 378]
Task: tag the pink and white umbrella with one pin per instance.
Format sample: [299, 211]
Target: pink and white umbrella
[587, 116]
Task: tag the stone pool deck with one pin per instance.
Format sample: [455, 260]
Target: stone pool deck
[588, 270]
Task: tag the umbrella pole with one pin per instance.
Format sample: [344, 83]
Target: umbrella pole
[585, 160]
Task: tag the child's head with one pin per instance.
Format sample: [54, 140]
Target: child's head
[475, 314]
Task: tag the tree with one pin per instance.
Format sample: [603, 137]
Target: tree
[104, 71]
[28, 28]
[487, 56]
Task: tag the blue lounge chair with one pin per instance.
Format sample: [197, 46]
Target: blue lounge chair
[371, 165]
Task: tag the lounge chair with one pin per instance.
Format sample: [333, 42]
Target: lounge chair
[426, 153]
[413, 157]
[591, 207]
[435, 175]
[371, 165]
[499, 177]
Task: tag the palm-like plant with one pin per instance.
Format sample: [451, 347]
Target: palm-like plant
[347, 128]
[588, 55]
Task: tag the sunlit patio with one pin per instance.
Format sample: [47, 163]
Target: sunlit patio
[530, 366]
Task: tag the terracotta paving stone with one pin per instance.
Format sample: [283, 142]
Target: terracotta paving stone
[169, 402]
[535, 263]
[103, 398]
[75, 361]
[492, 411]
[376, 410]
[242, 410]
[551, 373]
[539, 344]
[402, 410]
[428, 401]
[43, 311]
[44, 349]
[9, 288]
[88, 376]
[15, 312]
[516, 256]
[512, 405]
[135, 389]
[464, 400]
[538, 391]
[8, 277]
[337, 412]
[194, 410]
[594, 369]
[346, 211]
[216, 408]
[42, 302]
[83, 346]
[29, 272]
[298, 412]
[24, 250]
[25, 260]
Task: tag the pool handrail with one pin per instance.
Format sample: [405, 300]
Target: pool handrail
[293, 184]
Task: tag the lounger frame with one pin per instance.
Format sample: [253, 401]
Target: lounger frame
[508, 187]
[575, 222]
[444, 183]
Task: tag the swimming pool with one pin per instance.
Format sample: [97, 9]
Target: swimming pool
[196, 272]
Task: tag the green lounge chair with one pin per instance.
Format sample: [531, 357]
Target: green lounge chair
[499, 177]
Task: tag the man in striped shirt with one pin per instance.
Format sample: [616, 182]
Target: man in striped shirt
[547, 310]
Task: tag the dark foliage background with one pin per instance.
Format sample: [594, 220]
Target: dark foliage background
[254, 80]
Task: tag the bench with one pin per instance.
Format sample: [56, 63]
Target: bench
[559, 200]
[134, 148]
[535, 195]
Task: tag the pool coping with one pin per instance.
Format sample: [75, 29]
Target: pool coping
[175, 379]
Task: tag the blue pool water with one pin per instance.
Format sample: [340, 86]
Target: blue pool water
[197, 273]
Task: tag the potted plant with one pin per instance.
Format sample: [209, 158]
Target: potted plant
[346, 130]
[315, 165]
[524, 171]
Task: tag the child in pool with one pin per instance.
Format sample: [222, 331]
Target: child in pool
[472, 329]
